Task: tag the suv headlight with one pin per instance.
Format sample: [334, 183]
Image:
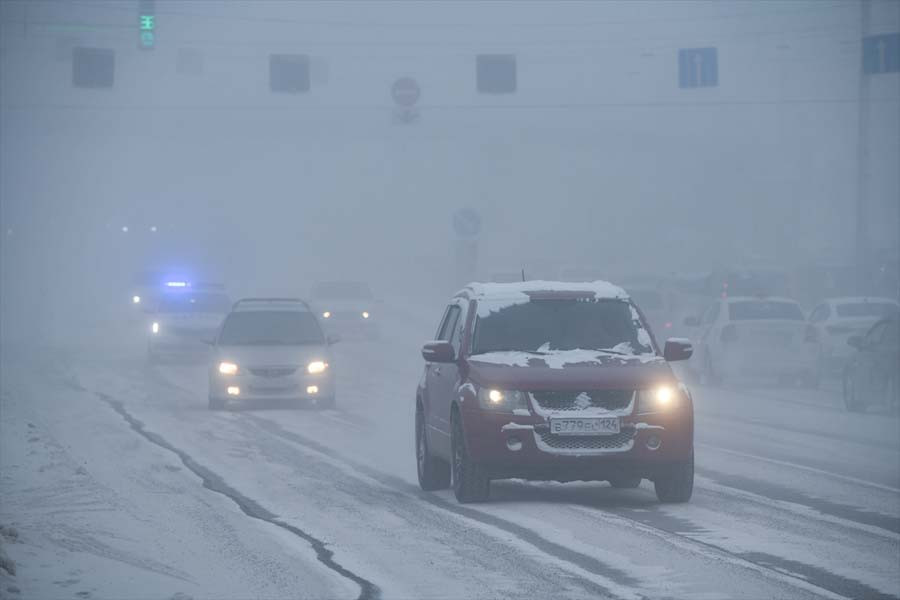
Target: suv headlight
[658, 399]
[316, 366]
[501, 400]
[228, 368]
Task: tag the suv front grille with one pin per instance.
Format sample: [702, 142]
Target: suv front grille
[578, 444]
[563, 401]
[273, 371]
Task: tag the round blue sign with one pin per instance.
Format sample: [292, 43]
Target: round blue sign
[467, 223]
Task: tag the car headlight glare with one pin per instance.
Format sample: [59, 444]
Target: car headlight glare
[365, 314]
[154, 327]
[657, 399]
[316, 366]
[326, 314]
[501, 400]
[135, 299]
[228, 368]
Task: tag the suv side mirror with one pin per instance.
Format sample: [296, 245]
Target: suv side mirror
[438, 352]
[856, 341]
[678, 349]
[692, 322]
[332, 339]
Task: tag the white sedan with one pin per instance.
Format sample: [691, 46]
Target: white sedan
[756, 337]
[835, 320]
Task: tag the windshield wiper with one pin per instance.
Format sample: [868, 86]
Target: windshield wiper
[611, 351]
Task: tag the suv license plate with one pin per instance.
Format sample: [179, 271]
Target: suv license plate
[586, 426]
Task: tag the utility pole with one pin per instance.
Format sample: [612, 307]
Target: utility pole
[862, 160]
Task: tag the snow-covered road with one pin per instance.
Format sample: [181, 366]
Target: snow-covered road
[119, 483]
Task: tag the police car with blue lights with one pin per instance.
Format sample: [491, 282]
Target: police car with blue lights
[186, 316]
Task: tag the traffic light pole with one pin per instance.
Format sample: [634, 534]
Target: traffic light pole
[862, 161]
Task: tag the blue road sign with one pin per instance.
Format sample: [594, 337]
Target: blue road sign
[467, 223]
[698, 67]
[881, 53]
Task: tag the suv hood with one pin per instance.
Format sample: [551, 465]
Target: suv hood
[568, 370]
[263, 356]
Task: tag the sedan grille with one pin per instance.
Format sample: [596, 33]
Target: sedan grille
[576, 444]
[563, 401]
[272, 372]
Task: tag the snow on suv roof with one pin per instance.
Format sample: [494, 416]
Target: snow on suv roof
[600, 289]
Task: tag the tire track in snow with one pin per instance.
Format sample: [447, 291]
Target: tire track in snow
[215, 483]
[795, 574]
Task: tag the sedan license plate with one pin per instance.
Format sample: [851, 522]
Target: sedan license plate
[585, 426]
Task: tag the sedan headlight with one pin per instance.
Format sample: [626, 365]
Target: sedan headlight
[658, 399]
[154, 327]
[135, 299]
[327, 314]
[316, 366]
[228, 368]
[365, 314]
[501, 400]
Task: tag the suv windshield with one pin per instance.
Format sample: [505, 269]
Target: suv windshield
[195, 303]
[270, 328]
[761, 309]
[570, 324]
[866, 309]
[342, 290]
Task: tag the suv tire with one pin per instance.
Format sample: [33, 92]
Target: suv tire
[470, 482]
[677, 483]
[434, 473]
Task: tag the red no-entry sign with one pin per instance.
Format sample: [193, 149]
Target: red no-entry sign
[406, 91]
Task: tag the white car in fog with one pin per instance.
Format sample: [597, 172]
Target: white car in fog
[271, 350]
[754, 337]
[834, 321]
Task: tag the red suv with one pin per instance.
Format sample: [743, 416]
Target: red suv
[551, 381]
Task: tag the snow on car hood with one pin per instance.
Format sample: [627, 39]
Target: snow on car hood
[259, 356]
[562, 369]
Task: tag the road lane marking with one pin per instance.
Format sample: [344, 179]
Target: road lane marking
[784, 463]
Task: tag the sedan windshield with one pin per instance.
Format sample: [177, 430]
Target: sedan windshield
[270, 328]
[545, 325]
[867, 309]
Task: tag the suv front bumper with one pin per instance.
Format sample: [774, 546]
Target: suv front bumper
[511, 446]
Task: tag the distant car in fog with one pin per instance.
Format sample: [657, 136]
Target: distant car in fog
[347, 307]
[184, 315]
[835, 320]
[763, 337]
[872, 375]
[551, 381]
[271, 350]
